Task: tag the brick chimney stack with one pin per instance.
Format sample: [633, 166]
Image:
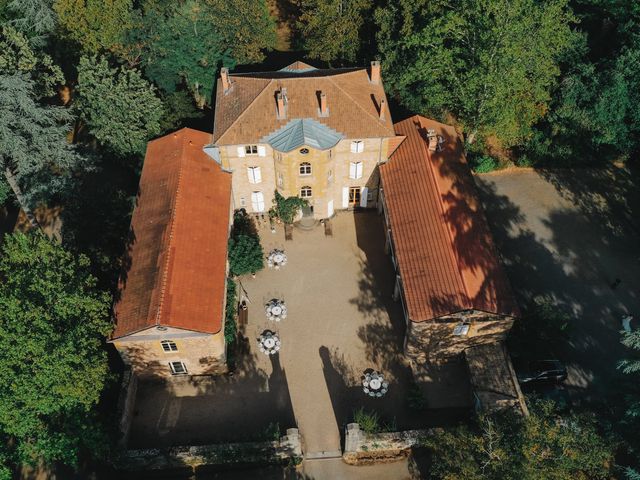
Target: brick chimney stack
[324, 110]
[375, 72]
[383, 109]
[224, 75]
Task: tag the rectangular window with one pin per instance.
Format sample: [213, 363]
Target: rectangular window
[243, 202]
[280, 180]
[354, 196]
[462, 329]
[357, 146]
[254, 174]
[330, 177]
[169, 346]
[178, 368]
[262, 151]
[257, 201]
[251, 150]
[355, 170]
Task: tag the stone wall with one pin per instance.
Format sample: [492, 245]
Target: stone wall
[287, 449]
[202, 354]
[434, 340]
[329, 174]
[365, 448]
[126, 404]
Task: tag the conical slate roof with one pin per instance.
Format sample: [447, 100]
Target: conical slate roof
[302, 131]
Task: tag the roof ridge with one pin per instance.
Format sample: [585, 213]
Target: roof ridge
[453, 250]
[355, 101]
[244, 110]
[172, 223]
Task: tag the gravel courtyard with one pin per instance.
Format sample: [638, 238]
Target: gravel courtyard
[341, 321]
[570, 235]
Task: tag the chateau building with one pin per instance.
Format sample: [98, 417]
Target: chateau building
[317, 134]
[169, 318]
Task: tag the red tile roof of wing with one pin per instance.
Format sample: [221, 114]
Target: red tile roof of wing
[247, 112]
[179, 232]
[445, 251]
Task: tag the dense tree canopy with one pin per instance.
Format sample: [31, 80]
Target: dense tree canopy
[95, 25]
[52, 364]
[331, 29]
[186, 49]
[120, 108]
[491, 64]
[543, 446]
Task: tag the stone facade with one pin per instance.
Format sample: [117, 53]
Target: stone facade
[435, 340]
[200, 353]
[330, 179]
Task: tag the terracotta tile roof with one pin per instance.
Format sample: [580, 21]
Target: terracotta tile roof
[179, 232]
[247, 111]
[445, 251]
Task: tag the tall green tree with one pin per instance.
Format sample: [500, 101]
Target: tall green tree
[490, 63]
[35, 156]
[120, 108]
[34, 18]
[184, 46]
[95, 25]
[332, 29]
[506, 446]
[631, 366]
[246, 27]
[52, 363]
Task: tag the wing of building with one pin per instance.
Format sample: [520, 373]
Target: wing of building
[318, 134]
[170, 314]
[453, 287]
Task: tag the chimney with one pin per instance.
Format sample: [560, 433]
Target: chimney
[224, 75]
[383, 109]
[324, 110]
[375, 72]
[433, 140]
[280, 112]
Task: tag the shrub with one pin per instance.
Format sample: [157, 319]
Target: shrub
[369, 421]
[286, 209]
[245, 255]
[230, 326]
[415, 398]
[483, 164]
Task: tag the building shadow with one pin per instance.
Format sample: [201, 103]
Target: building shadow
[249, 405]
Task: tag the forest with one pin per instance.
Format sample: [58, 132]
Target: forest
[85, 84]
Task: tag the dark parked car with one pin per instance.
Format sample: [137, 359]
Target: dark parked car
[542, 371]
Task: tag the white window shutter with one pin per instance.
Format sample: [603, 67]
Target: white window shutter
[262, 151]
[241, 152]
[330, 209]
[257, 174]
[250, 174]
[353, 168]
[345, 197]
[359, 170]
[260, 201]
[354, 147]
[363, 197]
[254, 201]
[360, 146]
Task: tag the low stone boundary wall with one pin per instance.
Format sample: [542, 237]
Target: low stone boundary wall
[126, 405]
[288, 448]
[365, 448]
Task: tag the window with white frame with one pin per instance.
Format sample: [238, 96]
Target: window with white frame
[254, 174]
[305, 192]
[178, 368]
[257, 201]
[355, 170]
[461, 329]
[169, 346]
[243, 202]
[251, 149]
[357, 146]
[305, 168]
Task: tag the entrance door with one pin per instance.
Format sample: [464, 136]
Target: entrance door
[354, 196]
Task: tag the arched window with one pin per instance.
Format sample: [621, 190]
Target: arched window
[305, 168]
[305, 192]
